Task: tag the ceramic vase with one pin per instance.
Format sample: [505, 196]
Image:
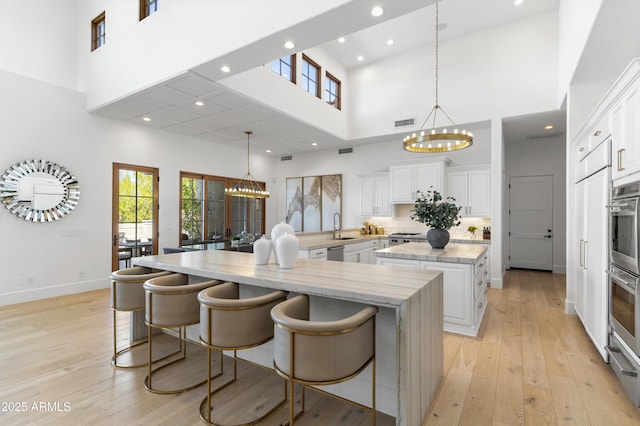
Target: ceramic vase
[262, 250]
[437, 238]
[286, 249]
[277, 231]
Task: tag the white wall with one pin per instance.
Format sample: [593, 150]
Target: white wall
[503, 71]
[576, 18]
[38, 39]
[538, 158]
[40, 120]
[269, 88]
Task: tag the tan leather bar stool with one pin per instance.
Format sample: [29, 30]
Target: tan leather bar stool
[172, 303]
[228, 322]
[323, 352]
[127, 294]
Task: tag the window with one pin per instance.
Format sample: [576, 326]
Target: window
[98, 32]
[209, 218]
[310, 76]
[286, 67]
[147, 7]
[332, 91]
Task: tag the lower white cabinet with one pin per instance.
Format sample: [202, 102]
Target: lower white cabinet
[357, 253]
[465, 291]
[313, 254]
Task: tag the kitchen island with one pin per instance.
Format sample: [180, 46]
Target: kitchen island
[466, 278]
[408, 326]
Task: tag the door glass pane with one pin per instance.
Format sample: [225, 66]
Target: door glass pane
[216, 214]
[135, 214]
[192, 208]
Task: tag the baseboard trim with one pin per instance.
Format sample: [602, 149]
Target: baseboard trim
[30, 295]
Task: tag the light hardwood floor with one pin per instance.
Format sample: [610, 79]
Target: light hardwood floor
[530, 364]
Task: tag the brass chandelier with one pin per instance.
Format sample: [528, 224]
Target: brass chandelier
[432, 140]
[247, 187]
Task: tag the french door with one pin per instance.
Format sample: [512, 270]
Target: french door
[134, 214]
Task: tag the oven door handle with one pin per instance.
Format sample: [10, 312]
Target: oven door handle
[626, 284]
[624, 371]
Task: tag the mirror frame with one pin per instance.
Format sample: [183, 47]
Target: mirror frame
[24, 209]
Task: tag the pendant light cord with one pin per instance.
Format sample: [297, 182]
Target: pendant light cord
[248, 136]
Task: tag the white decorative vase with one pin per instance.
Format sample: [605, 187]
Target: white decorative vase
[262, 250]
[276, 232]
[286, 249]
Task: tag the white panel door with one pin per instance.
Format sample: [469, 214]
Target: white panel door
[530, 222]
[579, 244]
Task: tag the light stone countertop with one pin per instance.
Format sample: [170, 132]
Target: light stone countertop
[452, 253]
[326, 242]
[374, 284]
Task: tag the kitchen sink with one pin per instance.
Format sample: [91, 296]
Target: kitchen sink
[345, 238]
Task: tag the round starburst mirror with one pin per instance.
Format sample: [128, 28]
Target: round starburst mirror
[39, 190]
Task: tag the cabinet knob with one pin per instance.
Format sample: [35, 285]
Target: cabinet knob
[480, 283]
[597, 133]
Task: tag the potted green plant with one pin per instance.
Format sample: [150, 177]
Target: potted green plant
[438, 214]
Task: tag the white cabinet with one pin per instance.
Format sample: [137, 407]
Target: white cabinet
[357, 253]
[472, 190]
[590, 289]
[625, 127]
[407, 180]
[313, 254]
[465, 290]
[375, 195]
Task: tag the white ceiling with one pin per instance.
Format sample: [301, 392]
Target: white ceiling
[225, 114]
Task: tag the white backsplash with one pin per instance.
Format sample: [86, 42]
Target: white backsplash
[402, 223]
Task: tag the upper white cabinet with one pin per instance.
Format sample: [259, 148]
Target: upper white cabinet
[472, 190]
[625, 127]
[407, 180]
[375, 195]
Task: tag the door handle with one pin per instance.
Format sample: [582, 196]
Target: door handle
[582, 253]
[547, 236]
[115, 240]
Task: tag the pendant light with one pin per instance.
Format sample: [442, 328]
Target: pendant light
[432, 140]
[247, 187]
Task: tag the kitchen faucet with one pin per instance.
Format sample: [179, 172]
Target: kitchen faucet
[336, 226]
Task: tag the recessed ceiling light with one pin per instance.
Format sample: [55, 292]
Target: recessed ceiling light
[199, 103]
[517, 2]
[360, 58]
[268, 150]
[377, 11]
[314, 144]
[289, 45]
[390, 42]
[548, 127]
[342, 40]
[225, 68]
[146, 118]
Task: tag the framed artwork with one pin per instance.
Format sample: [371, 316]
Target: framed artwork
[294, 203]
[312, 202]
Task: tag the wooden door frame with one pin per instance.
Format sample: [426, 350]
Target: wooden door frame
[115, 263]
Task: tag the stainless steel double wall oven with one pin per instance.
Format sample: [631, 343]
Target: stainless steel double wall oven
[624, 295]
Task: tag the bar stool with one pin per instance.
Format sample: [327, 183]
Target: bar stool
[127, 295]
[322, 352]
[228, 322]
[172, 303]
